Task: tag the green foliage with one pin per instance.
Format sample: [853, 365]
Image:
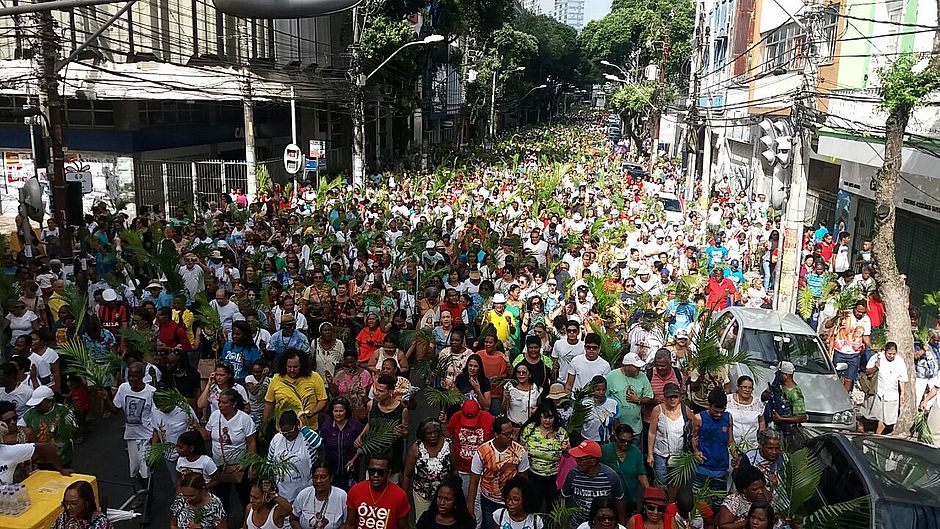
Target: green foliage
[514, 46]
[850, 514]
[806, 303]
[682, 469]
[902, 89]
[167, 399]
[561, 514]
[635, 99]
[610, 345]
[379, 438]
[139, 341]
[205, 316]
[264, 182]
[441, 398]
[382, 35]
[710, 357]
[920, 428]
[582, 405]
[77, 302]
[157, 453]
[82, 364]
[264, 469]
[932, 300]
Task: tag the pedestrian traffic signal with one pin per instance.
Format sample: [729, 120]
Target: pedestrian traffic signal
[777, 140]
[283, 8]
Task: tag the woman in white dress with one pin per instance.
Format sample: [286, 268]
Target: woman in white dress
[747, 413]
[266, 510]
[298, 444]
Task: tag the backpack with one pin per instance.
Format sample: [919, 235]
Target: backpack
[686, 430]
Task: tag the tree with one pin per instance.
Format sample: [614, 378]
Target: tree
[902, 89]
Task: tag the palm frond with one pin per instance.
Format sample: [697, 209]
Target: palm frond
[167, 261]
[139, 341]
[845, 515]
[610, 345]
[561, 514]
[581, 407]
[920, 428]
[434, 366]
[801, 476]
[710, 357]
[205, 315]
[77, 302]
[806, 303]
[82, 364]
[167, 399]
[157, 453]
[379, 438]
[442, 398]
[682, 469]
[263, 469]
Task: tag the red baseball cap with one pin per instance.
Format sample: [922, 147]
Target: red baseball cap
[471, 413]
[587, 448]
[654, 496]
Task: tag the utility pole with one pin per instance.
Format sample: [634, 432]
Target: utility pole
[804, 107]
[493, 106]
[359, 108]
[251, 189]
[692, 118]
[660, 91]
[52, 106]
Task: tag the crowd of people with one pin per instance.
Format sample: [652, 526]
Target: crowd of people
[508, 344]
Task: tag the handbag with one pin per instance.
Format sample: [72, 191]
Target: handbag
[868, 383]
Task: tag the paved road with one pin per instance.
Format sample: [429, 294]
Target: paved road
[103, 454]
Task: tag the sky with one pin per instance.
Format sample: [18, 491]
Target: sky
[595, 9]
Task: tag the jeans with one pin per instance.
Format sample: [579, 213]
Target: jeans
[475, 508]
[489, 507]
[661, 468]
[765, 266]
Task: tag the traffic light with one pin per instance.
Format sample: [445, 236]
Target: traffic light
[283, 8]
[777, 140]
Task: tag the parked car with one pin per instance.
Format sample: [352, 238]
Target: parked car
[769, 338]
[672, 207]
[901, 478]
[635, 170]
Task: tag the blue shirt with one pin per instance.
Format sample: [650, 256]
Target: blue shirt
[684, 315]
[239, 357]
[815, 283]
[716, 254]
[737, 277]
[713, 443]
[280, 343]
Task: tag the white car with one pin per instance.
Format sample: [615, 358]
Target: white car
[672, 207]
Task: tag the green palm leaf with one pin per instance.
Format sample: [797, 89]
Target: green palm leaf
[850, 514]
[801, 476]
[806, 303]
[682, 469]
[265, 469]
[920, 428]
[167, 399]
[610, 346]
[206, 316]
[561, 514]
[581, 407]
[379, 438]
[442, 398]
[82, 364]
[77, 302]
[139, 341]
[157, 453]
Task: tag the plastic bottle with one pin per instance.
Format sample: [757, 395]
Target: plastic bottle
[11, 495]
[25, 502]
[6, 508]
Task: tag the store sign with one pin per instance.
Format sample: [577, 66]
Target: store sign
[915, 193]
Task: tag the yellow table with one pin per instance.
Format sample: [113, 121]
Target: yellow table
[46, 489]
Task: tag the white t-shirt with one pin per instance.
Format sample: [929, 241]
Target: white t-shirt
[20, 325]
[138, 410]
[539, 249]
[43, 371]
[504, 521]
[192, 278]
[203, 465]
[19, 396]
[310, 511]
[889, 374]
[584, 370]
[563, 353]
[50, 357]
[522, 403]
[171, 425]
[262, 335]
[296, 452]
[229, 436]
[11, 456]
[227, 314]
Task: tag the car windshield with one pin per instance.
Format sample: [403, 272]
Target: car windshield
[671, 204]
[772, 347]
[906, 470]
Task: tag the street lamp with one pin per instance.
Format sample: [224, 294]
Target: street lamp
[612, 65]
[359, 112]
[492, 126]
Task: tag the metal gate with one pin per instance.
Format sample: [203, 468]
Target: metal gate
[164, 185]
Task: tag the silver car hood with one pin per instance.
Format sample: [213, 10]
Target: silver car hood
[822, 393]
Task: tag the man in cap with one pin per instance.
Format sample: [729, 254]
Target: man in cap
[631, 389]
[113, 314]
[735, 274]
[431, 259]
[469, 429]
[288, 337]
[716, 253]
[157, 294]
[53, 423]
[793, 396]
[591, 479]
[502, 320]
[645, 282]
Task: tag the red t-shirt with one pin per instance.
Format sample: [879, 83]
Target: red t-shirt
[467, 439]
[876, 312]
[377, 510]
[368, 341]
[494, 366]
[718, 292]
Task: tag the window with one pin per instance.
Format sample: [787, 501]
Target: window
[772, 347]
[895, 17]
[88, 113]
[785, 46]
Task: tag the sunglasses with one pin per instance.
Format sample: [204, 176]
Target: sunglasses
[654, 508]
[377, 471]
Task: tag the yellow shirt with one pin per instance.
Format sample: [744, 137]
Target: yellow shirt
[500, 323]
[187, 322]
[55, 303]
[299, 394]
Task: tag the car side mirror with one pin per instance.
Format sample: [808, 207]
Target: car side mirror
[842, 366]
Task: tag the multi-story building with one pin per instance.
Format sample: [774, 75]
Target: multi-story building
[570, 12]
[873, 35]
[539, 7]
[173, 80]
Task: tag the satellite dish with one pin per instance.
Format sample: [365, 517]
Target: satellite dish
[283, 8]
[31, 199]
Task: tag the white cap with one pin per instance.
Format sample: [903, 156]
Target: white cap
[499, 298]
[429, 245]
[632, 359]
[644, 271]
[109, 295]
[40, 394]
[786, 368]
